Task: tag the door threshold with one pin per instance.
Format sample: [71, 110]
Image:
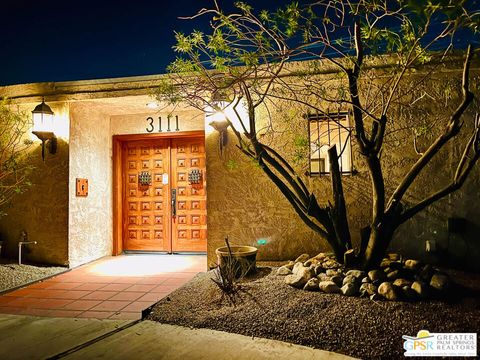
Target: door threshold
[144, 252]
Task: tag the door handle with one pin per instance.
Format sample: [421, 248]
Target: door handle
[174, 202]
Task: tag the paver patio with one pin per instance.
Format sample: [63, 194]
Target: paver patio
[110, 288]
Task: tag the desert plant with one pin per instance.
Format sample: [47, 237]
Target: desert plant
[13, 145]
[229, 274]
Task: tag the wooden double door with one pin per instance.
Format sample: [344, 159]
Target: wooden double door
[164, 199]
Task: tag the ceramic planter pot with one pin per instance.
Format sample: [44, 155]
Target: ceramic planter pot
[243, 258]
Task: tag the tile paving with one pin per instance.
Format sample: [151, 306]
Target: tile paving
[110, 288]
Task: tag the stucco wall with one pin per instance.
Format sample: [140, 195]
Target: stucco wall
[90, 218]
[42, 211]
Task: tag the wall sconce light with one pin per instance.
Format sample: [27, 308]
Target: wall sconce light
[43, 127]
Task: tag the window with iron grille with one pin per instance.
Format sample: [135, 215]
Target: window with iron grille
[326, 130]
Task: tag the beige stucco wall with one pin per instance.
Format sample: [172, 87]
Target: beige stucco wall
[90, 218]
[42, 211]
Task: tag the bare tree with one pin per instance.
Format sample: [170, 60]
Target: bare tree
[13, 171]
[362, 57]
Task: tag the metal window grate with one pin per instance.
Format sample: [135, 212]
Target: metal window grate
[325, 130]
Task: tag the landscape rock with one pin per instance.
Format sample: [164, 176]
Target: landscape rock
[440, 282]
[402, 282]
[323, 277]
[393, 256]
[302, 258]
[337, 279]
[366, 279]
[385, 263]
[312, 285]
[350, 279]
[329, 287]
[319, 256]
[420, 288]
[331, 264]
[357, 273]
[297, 266]
[300, 278]
[319, 269]
[349, 289]
[368, 289]
[311, 262]
[332, 272]
[392, 275]
[412, 264]
[376, 275]
[388, 291]
[283, 270]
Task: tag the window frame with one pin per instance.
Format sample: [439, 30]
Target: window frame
[329, 118]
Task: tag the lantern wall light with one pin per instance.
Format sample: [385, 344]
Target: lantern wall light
[43, 127]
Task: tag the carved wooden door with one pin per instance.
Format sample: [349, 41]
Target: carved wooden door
[189, 226]
[154, 170]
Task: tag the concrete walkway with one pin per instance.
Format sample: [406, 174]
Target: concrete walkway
[41, 338]
[117, 287]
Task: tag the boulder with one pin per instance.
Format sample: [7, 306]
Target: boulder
[329, 287]
[312, 285]
[311, 262]
[350, 279]
[331, 264]
[402, 282]
[319, 269]
[332, 272]
[300, 278]
[349, 289]
[385, 263]
[411, 264]
[289, 265]
[368, 289]
[302, 258]
[420, 288]
[323, 277]
[392, 275]
[388, 291]
[320, 256]
[374, 275]
[393, 256]
[357, 273]
[440, 282]
[365, 280]
[297, 266]
[283, 270]
[337, 279]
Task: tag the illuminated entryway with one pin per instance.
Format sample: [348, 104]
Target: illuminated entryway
[161, 193]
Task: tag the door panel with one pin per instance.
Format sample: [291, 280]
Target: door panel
[149, 221]
[147, 216]
[189, 227]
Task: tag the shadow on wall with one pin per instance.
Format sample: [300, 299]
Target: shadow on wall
[42, 211]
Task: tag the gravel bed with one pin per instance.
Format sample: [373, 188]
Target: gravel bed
[353, 326]
[13, 275]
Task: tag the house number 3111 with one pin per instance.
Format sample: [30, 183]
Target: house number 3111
[151, 124]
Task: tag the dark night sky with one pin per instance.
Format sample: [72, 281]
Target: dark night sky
[56, 40]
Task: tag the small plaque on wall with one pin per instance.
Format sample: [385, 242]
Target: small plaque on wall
[82, 187]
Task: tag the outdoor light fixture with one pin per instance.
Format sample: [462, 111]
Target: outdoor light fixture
[43, 127]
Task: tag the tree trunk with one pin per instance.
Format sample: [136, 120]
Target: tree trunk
[378, 241]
